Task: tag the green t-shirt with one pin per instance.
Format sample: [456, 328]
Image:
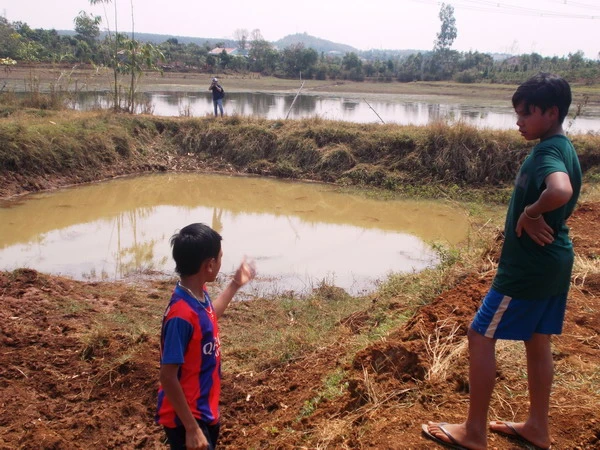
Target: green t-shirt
[527, 270]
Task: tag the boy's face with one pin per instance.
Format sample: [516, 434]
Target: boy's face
[535, 124]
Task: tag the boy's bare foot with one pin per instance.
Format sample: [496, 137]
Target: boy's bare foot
[520, 432]
[452, 436]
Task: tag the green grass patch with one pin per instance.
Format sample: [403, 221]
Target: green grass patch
[334, 385]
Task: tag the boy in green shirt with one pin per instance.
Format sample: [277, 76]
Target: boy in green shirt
[528, 297]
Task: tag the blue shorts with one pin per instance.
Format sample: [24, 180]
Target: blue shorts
[503, 317]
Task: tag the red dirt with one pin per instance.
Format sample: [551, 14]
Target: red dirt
[57, 394]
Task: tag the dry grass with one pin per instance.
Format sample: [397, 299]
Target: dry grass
[582, 268]
[455, 161]
[443, 349]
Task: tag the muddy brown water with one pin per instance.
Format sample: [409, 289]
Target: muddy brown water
[299, 234]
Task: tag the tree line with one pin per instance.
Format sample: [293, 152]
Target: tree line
[123, 53]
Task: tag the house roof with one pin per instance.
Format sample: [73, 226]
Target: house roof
[219, 50]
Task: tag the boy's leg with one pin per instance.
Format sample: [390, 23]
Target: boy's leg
[482, 377]
[221, 106]
[176, 436]
[215, 105]
[547, 315]
[211, 432]
[472, 434]
[540, 372]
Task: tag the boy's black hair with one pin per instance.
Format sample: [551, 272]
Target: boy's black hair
[193, 245]
[544, 90]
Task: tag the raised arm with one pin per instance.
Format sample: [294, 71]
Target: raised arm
[244, 274]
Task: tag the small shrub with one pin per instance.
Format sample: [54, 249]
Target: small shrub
[468, 76]
[97, 339]
[333, 133]
[284, 169]
[366, 175]
[338, 159]
[122, 145]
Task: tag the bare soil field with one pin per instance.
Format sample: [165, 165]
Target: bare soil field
[67, 385]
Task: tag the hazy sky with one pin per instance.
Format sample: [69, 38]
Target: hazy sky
[548, 27]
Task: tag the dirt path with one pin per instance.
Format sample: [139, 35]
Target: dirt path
[57, 393]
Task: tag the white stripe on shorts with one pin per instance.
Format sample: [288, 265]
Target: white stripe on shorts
[502, 307]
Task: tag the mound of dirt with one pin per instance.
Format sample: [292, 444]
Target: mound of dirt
[60, 390]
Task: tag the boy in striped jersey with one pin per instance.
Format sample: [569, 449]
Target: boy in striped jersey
[190, 366]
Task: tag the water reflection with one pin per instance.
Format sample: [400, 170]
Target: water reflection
[299, 233]
[350, 109]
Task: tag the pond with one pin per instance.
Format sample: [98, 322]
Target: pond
[299, 234]
[386, 108]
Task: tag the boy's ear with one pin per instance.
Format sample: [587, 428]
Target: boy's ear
[206, 267]
[211, 266]
[553, 111]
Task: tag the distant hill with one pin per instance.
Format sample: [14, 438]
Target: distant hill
[383, 55]
[318, 44]
[160, 38]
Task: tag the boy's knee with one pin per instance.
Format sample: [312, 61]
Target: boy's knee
[538, 339]
[477, 338]
[472, 334]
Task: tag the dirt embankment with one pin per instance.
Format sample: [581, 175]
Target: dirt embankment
[65, 384]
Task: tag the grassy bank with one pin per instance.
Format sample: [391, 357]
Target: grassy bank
[45, 149]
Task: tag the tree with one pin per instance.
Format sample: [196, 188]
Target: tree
[256, 35]
[87, 28]
[263, 57]
[411, 69]
[576, 60]
[241, 36]
[9, 40]
[298, 61]
[194, 55]
[443, 60]
[353, 66]
[172, 50]
[114, 43]
[448, 31]
[137, 57]
[351, 61]
[129, 56]
[224, 59]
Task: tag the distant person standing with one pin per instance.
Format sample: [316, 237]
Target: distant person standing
[218, 93]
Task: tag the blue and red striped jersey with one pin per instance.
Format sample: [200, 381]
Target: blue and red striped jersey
[190, 339]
